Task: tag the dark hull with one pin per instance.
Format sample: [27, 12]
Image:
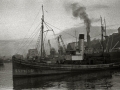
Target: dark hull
[1, 62]
[25, 69]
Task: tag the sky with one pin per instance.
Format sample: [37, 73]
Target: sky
[19, 18]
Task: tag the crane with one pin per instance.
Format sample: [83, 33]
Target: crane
[60, 49]
[49, 44]
[60, 36]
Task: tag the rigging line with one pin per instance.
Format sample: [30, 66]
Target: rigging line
[112, 40]
[23, 47]
[24, 44]
[26, 41]
[114, 46]
[49, 27]
[31, 37]
[61, 30]
[49, 30]
[32, 40]
[30, 43]
[66, 32]
[47, 24]
[31, 26]
[31, 34]
[34, 20]
[53, 31]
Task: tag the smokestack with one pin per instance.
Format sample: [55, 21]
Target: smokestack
[81, 44]
[88, 40]
[88, 37]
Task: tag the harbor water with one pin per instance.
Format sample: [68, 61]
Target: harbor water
[102, 80]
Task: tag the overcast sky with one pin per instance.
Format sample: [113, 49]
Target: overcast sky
[18, 17]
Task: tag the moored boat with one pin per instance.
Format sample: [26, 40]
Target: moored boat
[74, 61]
[22, 68]
[1, 61]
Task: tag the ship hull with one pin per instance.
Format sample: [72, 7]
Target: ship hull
[25, 69]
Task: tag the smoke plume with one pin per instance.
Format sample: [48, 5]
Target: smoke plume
[80, 11]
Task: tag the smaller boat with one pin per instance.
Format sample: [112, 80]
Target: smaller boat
[1, 61]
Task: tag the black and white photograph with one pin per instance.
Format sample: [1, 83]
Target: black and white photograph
[59, 44]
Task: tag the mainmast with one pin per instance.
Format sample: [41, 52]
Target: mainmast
[106, 37]
[42, 30]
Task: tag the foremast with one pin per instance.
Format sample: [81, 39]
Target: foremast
[42, 31]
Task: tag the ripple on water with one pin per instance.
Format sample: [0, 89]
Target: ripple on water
[91, 81]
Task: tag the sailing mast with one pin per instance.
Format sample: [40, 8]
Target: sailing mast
[106, 37]
[42, 27]
[102, 29]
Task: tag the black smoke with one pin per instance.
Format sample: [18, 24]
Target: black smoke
[80, 11]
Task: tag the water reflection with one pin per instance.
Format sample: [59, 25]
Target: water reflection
[96, 80]
[6, 82]
[1, 67]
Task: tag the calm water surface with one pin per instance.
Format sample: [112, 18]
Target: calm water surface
[105, 80]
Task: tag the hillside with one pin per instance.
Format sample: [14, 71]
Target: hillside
[95, 32]
[11, 47]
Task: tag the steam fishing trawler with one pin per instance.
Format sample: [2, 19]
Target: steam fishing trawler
[73, 61]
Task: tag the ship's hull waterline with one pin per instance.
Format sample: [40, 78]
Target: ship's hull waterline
[23, 69]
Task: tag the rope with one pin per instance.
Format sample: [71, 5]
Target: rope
[30, 27]
[61, 30]
[28, 38]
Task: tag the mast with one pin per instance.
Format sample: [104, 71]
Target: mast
[105, 27]
[102, 28]
[42, 27]
[106, 37]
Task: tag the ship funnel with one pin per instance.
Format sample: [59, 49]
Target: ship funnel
[81, 44]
